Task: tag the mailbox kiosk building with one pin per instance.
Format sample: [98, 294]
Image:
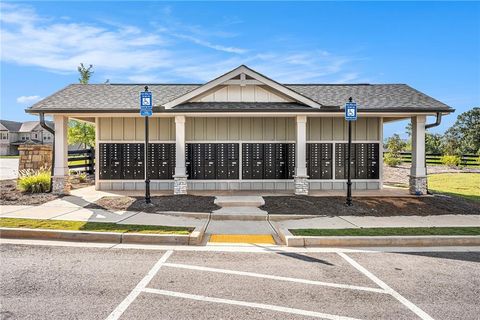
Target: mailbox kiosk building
[240, 131]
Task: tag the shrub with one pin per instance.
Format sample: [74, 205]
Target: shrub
[451, 161]
[391, 160]
[82, 177]
[34, 181]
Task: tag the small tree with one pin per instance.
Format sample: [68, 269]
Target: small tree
[395, 145]
[433, 143]
[85, 73]
[464, 135]
[81, 132]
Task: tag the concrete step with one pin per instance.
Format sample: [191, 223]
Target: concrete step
[239, 213]
[239, 201]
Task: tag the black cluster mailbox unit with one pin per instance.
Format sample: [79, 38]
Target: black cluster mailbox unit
[212, 161]
[319, 160]
[161, 157]
[364, 160]
[122, 161]
[265, 161]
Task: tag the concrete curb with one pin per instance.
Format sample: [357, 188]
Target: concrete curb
[377, 241]
[194, 238]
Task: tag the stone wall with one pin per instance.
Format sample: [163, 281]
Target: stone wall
[35, 156]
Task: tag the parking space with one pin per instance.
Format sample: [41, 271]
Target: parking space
[216, 284]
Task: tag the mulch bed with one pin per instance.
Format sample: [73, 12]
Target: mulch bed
[185, 203]
[370, 206]
[9, 195]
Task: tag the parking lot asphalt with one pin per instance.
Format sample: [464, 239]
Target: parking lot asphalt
[55, 282]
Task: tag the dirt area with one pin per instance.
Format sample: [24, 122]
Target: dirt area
[370, 206]
[185, 203]
[76, 184]
[9, 195]
[398, 176]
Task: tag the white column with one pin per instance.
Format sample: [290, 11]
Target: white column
[61, 146]
[180, 146]
[301, 147]
[180, 177]
[301, 179]
[60, 184]
[418, 146]
[418, 179]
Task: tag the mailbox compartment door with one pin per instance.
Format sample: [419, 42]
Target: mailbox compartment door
[257, 163]
[326, 151]
[373, 160]
[104, 165]
[340, 160]
[247, 160]
[280, 161]
[314, 170]
[210, 161]
[198, 153]
[233, 160]
[222, 161]
[361, 161]
[269, 160]
[290, 160]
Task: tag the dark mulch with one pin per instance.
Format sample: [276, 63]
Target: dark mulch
[370, 206]
[9, 195]
[185, 203]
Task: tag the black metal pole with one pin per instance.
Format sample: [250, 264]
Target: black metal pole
[349, 177]
[147, 176]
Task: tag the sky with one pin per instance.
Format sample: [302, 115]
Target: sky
[432, 46]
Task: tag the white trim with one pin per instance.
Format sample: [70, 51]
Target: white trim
[139, 288]
[419, 312]
[380, 152]
[97, 153]
[235, 72]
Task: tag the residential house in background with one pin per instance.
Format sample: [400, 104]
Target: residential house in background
[13, 134]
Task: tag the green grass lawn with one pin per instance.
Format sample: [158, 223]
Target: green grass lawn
[466, 185]
[89, 226]
[9, 157]
[443, 231]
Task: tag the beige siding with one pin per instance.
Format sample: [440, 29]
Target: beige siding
[240, 129]
[133, 129]
[324, 129]
[237, 93]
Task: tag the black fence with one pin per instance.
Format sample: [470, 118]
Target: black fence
[82, 160]
[435, 158]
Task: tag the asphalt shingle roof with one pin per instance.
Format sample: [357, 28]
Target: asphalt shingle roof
[125, 98]
[12, 126]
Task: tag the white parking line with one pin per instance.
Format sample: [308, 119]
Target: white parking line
[267, 276]
[248, 304]
[120, 309]
[419, 312]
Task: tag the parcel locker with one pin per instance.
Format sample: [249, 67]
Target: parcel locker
[280, 161]
[210, 161]
[233, 163]
[269, 156]
[361, 161]
[257, 161]
[221, 161]
[247, 160]
[104, 161]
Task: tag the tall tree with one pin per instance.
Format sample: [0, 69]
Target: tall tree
[85, 73]
[82, 133]
[464, 135]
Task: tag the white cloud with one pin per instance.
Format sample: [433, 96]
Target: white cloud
[28, 99]
[124, 53]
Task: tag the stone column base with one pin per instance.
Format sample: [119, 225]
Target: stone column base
[60, 185]
[301, 185]
[418, 185]
[179, 184]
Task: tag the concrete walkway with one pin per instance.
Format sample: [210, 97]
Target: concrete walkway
[8, 168]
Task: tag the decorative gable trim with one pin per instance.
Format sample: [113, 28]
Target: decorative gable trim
[253, 78]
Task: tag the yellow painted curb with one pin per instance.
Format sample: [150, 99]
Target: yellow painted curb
[242, 238]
